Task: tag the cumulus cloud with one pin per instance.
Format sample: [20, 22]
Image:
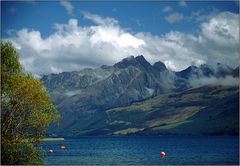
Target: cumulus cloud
[221, 31]
[174, 17]
[73, 47]
[167, 9]
[67, 5]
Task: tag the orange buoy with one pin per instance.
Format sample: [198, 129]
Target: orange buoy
[50, 151]
[63, 147]
[162, 154]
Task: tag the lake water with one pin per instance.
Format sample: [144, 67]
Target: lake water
[144, 150]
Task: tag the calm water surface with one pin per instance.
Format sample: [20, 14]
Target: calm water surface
[144, 150]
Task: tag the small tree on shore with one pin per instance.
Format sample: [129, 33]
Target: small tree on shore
[26, 111]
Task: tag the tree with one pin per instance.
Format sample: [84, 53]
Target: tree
[26, 111]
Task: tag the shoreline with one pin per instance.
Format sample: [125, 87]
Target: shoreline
[53, 139]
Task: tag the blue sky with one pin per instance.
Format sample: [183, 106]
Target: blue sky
[138, 16]
[173, 32]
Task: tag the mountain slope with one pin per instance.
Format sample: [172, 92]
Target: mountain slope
[85, 92]
[84, 96]
[190, 112]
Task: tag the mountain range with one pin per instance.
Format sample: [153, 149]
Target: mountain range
[135, 97]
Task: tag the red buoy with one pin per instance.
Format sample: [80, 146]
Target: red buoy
[162, 154]
[63, 147]
[50, 151]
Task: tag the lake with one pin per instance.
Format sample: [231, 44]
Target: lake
[143, 150]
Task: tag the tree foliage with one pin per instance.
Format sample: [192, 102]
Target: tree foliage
[26, 111]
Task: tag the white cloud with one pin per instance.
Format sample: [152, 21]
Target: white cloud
[227, 81]
[183, 3]
[167, 9]
[220, 28]
[73, 47]
[67, 5]
[99, 20]
[174, 49]
[173, 18]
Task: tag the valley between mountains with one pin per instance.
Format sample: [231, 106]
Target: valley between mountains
[133, 97]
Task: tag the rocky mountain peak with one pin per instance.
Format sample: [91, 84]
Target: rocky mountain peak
[138, 61]
[206, 70]
[125, 62]
[142, 60]
[221, 70]
[159, 66]
[235, 72]
[190, 69]
[91, 95]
